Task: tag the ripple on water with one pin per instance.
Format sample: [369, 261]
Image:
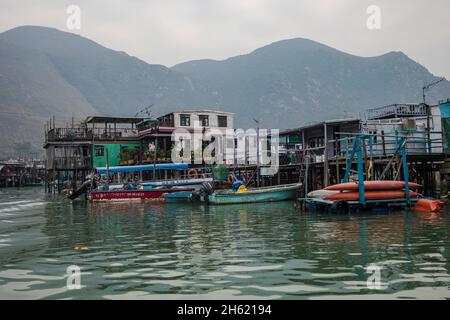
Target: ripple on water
[268, 251]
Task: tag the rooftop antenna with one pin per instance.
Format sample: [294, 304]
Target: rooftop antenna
[147, 111]
[428, 86]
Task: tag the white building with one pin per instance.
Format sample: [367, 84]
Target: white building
[202, 118]
[409, 119]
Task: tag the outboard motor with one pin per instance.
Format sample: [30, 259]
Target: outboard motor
[85, 187]
[206, 189]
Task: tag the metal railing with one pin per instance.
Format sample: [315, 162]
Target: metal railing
[87, 134]
[397, 110]
[379, 145]
[417, 143]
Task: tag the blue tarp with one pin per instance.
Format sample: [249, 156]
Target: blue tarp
[147, 167]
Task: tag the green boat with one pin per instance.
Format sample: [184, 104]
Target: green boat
[252, 195]
[176, 197]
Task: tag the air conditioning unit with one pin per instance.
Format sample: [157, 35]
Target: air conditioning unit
[298, 147]
[409, 124]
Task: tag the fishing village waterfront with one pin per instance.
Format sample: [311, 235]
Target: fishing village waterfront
[224, 159]
[355, 209]
[255, 251]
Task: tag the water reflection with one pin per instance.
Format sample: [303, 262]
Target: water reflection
[149, 250]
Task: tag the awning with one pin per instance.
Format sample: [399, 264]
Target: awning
[147, 167]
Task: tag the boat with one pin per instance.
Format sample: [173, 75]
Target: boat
[177, 197]
[373, 185]
[195, 183]
[253, 195]
[321, 193]
[151, 190]
[372, 195]
[155, 194]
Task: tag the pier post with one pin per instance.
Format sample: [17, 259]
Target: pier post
[406, 174]
[362, 196]
[326, 178]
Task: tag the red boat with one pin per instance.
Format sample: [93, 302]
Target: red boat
[129, 195]
[133, 191]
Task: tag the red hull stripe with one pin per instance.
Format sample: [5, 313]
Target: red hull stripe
[132, 194]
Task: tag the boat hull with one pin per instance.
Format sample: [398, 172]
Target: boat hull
[267, 194]
[177, 197]
[132, 195]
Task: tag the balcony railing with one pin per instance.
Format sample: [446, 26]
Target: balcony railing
[87, 134]
[418, 144]
[397, 110]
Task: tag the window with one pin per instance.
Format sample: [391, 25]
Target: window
[320, 142]
[204, 120]
[185, 120]
[99, 151]
[222, 120]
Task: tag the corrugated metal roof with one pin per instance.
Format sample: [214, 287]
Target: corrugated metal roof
[319, 124]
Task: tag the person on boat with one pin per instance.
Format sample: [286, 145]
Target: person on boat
[132, 185]
[237, 184]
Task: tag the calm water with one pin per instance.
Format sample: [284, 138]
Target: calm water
[269, 251]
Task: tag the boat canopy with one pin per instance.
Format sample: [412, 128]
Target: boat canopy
[147, 167]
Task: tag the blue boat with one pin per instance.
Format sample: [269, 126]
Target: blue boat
[253, 195]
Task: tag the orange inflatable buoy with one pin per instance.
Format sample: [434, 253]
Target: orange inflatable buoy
[373, 185]
[371, 195]
[427, 205]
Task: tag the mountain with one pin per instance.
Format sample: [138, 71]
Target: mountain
[48, 72]
[31, 90]
[292, 82]
[45, 72]
[111, 81]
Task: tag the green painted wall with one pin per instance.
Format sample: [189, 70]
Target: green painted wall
[294, 139]
[114, 151]
[290, 139]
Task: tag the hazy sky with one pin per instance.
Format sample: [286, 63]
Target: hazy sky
[172, 31]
